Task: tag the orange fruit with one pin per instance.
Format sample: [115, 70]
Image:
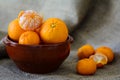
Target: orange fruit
[29, 20]
[53, 30]
[106, 51]
[86, 66]
[100, 59]
[85, 51]
[29, 38]
[14, 30]
[37, 30]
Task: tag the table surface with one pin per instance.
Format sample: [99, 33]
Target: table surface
[101, 28]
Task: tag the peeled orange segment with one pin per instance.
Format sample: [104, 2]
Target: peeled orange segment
[106, 51]
[29, 20]
[100, 59]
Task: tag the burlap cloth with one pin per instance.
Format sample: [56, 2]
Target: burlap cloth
[89, 21]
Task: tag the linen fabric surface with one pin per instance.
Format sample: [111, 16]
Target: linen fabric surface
[96, 22]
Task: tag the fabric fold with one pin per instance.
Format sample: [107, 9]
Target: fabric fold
[3, 53]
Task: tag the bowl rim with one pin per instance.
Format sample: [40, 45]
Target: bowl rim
[7, 41]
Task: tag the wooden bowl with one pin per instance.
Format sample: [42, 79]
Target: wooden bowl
[43, 58]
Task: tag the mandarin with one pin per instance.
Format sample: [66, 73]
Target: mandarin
[29, 38]
[14, 30]
[106, 51]
[86, 66]
[100, 59]
[29, 20]
[54, 30]
[85, 51]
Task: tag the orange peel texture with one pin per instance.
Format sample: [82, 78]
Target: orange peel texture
[53, 30]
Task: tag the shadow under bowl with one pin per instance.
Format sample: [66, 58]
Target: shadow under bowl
[43, 58]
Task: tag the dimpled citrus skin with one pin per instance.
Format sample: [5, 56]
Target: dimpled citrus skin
[53, 30]
[86, 66]
[29, 38]
[85, 51]
[29, 20]
[14, 30]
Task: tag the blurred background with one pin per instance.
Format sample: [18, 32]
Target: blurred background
[96, 22]
[71, 11]
[89, 21]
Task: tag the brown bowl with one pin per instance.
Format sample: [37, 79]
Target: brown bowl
[43, 58]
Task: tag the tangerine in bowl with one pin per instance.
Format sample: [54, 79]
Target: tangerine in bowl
[43, 58]
[36, 46]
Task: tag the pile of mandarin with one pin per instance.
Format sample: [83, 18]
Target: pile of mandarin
[90, 59]
[30, 29]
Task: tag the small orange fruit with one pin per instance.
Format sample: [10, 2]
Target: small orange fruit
[29, 20]
[86, 66]
[14, 30]
[85, 51]
[29, 38]
[53, 30]
[100, 59]
[106, 51]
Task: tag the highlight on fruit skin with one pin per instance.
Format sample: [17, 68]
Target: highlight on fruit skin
[100, 59]
[54, 30]
[29, 20]
[29, 38]
[106, 51]
[14, 30]
[85, 51]
[86, 66]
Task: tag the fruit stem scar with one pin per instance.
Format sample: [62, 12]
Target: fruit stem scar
[53, 25]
